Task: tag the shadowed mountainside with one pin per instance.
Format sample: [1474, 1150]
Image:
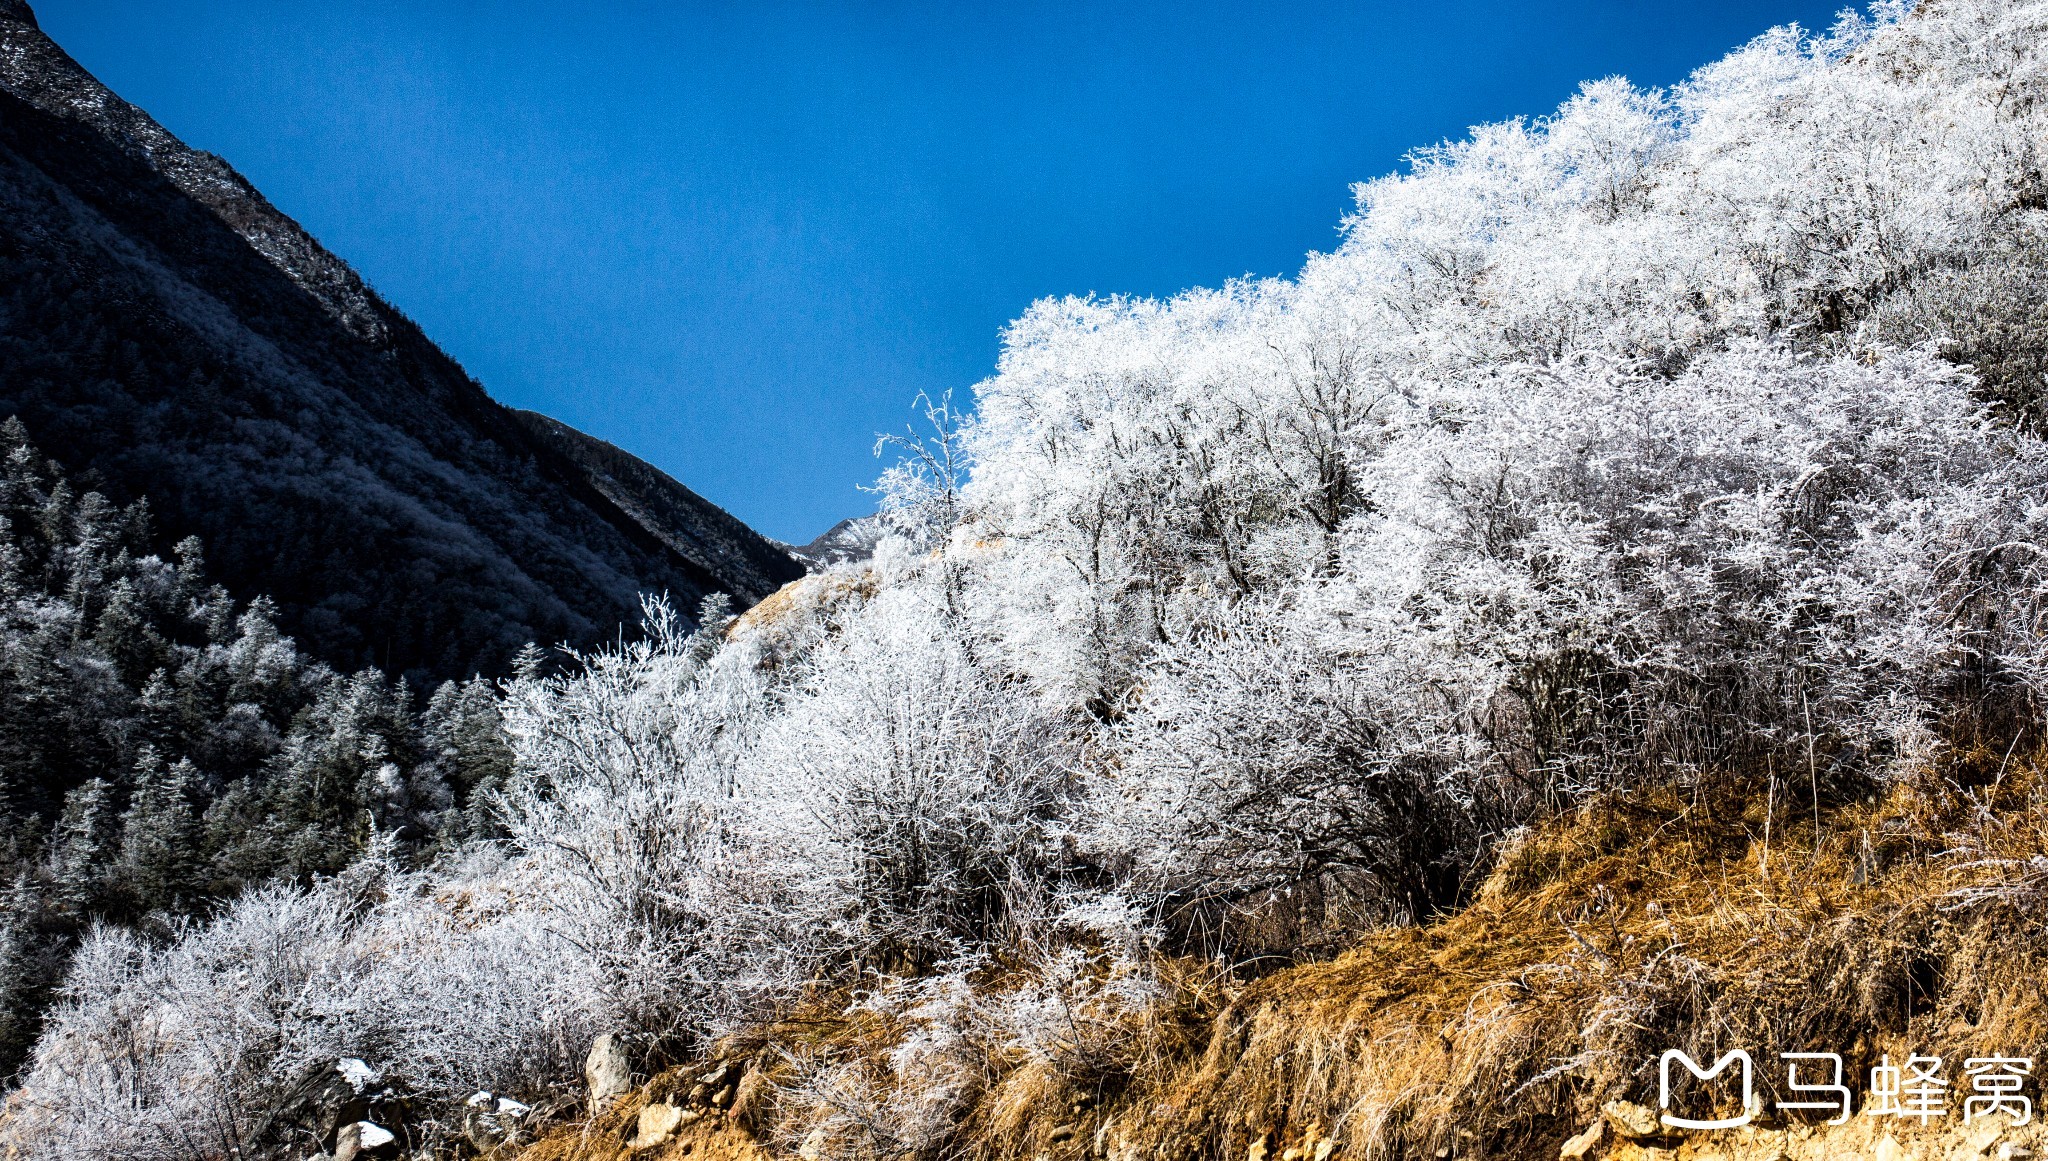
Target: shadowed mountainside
[168, 332]
[685, 522]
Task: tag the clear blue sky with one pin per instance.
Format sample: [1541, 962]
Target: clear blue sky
[739, 240]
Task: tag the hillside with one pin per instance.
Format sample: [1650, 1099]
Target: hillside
[166, 332]
[1528, 1025]
[1599, 609]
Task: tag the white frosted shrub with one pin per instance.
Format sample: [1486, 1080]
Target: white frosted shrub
[1576, 578]
[194, 1048]
[908, 783]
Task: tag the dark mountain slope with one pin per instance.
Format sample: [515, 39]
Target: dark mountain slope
[169, 333]
[689, 524]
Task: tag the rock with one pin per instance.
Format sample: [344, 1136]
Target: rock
[364, 1139]
[1581, 1146]
[1324, 1148]
[1258, 1150]
[1632, 1121]
[1887, 1150]
[1061, 1135]
[658, 1123]
[1981, 1137]
[358, 1074]
[722, 1097]
[490, 1120]
[813, 1148]
[321, 1103]
[484, 1130]
[606, 1070]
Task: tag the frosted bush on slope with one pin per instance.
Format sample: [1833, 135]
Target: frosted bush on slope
[200, 1047]
[910, 784]
[1077, 1014]
[1576, 579]
[1792, 185]
[157, 1051]
[622, 806]
[635, 816]
[1533, 388]
[616, 908]
[1142, 456]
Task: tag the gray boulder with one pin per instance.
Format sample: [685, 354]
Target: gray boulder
[606, 1070]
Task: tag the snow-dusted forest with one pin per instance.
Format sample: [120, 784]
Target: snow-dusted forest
[163, 747]
[1670, 436]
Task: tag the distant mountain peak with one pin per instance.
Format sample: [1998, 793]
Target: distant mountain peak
[851, 541]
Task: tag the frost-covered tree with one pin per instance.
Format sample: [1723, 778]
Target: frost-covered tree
[624, 801]
[159, 835]
[464, 748]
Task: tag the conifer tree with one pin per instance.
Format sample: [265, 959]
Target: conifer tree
[79, 847]
[159, 834]
[465, 749]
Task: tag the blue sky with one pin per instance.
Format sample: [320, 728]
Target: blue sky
[739, 240]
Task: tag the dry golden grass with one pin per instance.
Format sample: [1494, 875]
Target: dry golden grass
[813, 596]
[711, 1135]
[1634, 927]
[1909, 923]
